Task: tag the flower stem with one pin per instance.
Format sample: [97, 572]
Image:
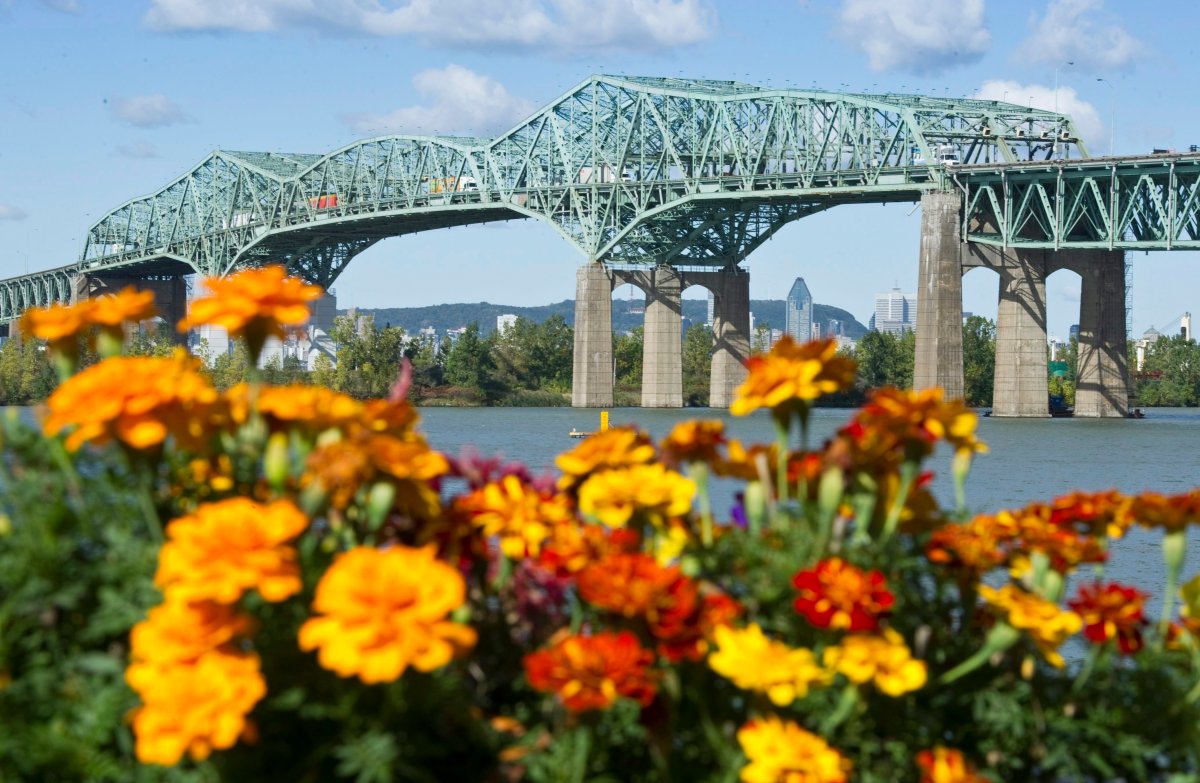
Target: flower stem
[699, 474]
[781, 461]
[908, 475]
[1174, 547]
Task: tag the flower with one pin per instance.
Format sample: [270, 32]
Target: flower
[752, 661]
[618, 447]
[313, 407]
[615, 496]
[1111, 611]
[58, 324]
[1094, 513]
[782, 752]
[626, 583]
[224, 548]
[194, 708]
[910, 423]
[383, 611]
[182, 631]
[693, 441]
[256, 303]
[974, 546]
[1171, 513]
[341, 467]
[572, 546]
[139, 401]
[1064, 547]
[520, 515]
[791, 376]
[1048, 625]
[591, 672]
[126, 306]
[835, 594]
[885, 659]
[946, 765]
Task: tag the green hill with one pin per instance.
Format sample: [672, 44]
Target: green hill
[626, 315]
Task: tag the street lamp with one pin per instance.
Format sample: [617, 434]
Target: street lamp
[1058, 126]
[1112, 113]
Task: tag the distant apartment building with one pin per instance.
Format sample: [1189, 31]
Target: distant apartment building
[798, 320]
[505, 322]
[895, 312]
[303, 344]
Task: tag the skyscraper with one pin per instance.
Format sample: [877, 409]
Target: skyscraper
[799, 312]
[895, 312]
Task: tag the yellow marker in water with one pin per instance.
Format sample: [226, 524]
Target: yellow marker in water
[603, 420]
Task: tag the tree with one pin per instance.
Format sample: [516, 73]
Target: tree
[26, 376]
[979, 360]
[885, 359]
[760, 341]
[470, 365]
[697, 364]
[1172, 369]
[368, 358]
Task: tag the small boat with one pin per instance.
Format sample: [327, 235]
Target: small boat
[1136, 413]
[574, 433]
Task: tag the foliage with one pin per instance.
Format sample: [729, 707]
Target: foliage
[26, 376]
[697, 365]
[627, 363]
[1171, 373]
[368, 357]
[979, 360]
[327, 606]
[885, 359]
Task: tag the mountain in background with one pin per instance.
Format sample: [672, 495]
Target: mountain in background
[626, 315]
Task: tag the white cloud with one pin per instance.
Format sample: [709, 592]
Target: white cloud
[139, 150]
[922, 36]
[9, 212]
[561, 25]
[1080, 31]
[1087, 120]
[458, 100]
[148, 111]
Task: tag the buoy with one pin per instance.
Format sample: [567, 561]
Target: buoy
[603, 421]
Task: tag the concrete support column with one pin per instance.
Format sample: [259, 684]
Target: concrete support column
[731, 328]
[662, 356]
[939, 359]
[170, 295]
[1020, 386]
[1102, 377]
[592, 371]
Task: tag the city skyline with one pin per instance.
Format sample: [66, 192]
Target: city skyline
[122, 98]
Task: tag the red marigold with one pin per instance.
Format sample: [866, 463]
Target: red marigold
[835, 594]
[590, 672]
[627, 583]
[946, 765]
[1096, 513]
[1111, 611]
[573, 546]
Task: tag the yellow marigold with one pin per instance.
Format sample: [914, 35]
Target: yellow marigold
[383, 611]
[614, 496]
[791, 376]
[256, 303]
[225, 548]
[194, 708]
[754, 662]
[885, 660]
[618, 447]
[126, 306]
[782, 752]
[182, 631]
[517, 513]
[1047, 625]
[137, 400]
[57, 323]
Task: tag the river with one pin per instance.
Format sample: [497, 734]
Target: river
[1027, 460]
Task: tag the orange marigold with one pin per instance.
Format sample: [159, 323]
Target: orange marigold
[618, 447]
[946, 765]
[1111, 612]
[693, 441]
[181, 631]
[256, 303]
[520, 515]
[791, 376]
[970, 545]
[385, 610]
[782, 752]
[627, 583]
[591, 672]
[835, 594]
[126, 306]
[58, 324]
[1046, 624]
[912, 422]
[651, 491]
[139, 401]
[572, 546]
[194, 708]
[1094, 513]
[225, 548]
[1064, 548]
[1171, 513]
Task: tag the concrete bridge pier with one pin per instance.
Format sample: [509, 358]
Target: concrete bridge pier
[730, 288]
[1102, 377]
[592, 371]
[662, 352]
[938, 360]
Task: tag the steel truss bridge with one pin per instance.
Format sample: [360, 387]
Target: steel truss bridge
[644, 171]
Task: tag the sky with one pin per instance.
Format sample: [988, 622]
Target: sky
[102, 101]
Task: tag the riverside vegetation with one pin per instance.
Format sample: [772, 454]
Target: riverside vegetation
[282, 582]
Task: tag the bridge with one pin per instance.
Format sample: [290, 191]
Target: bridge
[666, 183]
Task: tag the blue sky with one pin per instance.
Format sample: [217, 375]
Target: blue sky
[105, 100]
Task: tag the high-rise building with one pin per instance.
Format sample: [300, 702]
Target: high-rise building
[895, 312]
[799, 312]
[505, 322]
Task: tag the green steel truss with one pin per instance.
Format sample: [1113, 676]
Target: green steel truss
[1146, 203]
[629, 170]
